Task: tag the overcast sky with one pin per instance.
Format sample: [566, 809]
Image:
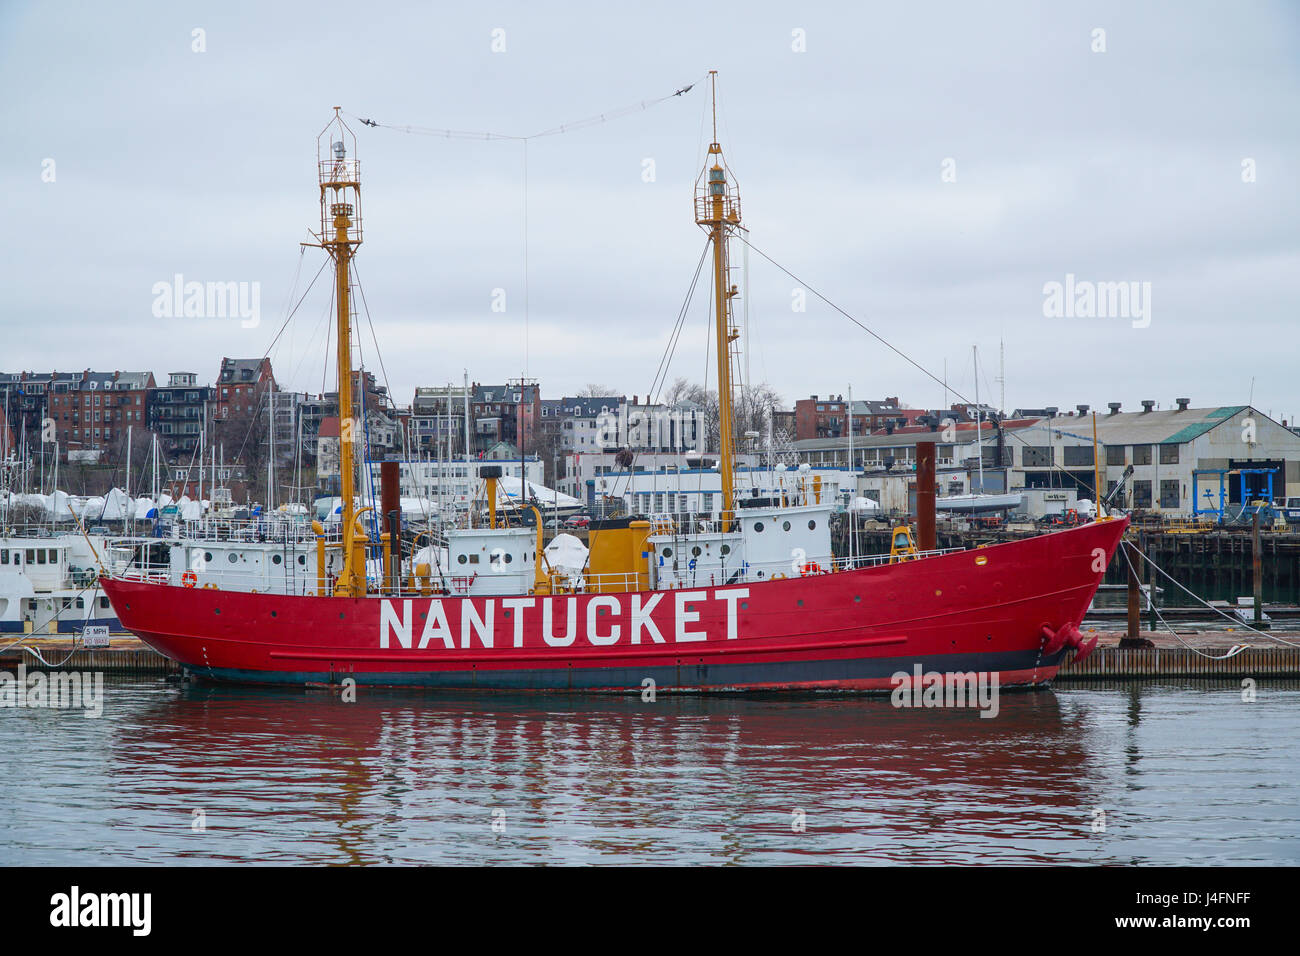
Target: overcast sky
[1122, 165]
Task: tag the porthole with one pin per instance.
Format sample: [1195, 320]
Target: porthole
[725, 549]
[207, 556]
[302, 559]
[758, 526]
[812, 525]
[234, 558]
[785, 526]
[668, 552]
[276, 559]
[696, 551]
[461, 559]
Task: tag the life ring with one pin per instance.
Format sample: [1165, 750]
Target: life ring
[189, 579]
[811, 568]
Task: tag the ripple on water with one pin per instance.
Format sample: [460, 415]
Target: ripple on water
[1183, 772]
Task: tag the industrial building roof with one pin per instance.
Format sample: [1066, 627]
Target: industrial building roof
[1162, 427]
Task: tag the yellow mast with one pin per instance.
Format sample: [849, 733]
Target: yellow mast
[340, 234]
[717, 209]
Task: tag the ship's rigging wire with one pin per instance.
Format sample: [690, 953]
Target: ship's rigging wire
[905, 357]
[261, 399]
[289, 317]
[1195, 597]
[597, 119]
[384, 371]
[665, 360]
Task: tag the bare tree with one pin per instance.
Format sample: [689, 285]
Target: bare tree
[548, 444]
[592, 390]
[244, 439]
[752, 407]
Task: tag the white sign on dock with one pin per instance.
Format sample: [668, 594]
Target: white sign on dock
[95, 635]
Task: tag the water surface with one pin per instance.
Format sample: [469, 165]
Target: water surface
[1184, 772]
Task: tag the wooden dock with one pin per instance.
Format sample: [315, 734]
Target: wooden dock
[127, 655]
[124, 655]
[1171, 658]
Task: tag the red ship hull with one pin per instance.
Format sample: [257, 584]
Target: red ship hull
[988, 610]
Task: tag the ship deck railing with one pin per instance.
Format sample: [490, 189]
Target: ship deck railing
[275, 530]
[299, 581]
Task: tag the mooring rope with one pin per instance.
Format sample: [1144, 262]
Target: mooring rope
[1236, 620]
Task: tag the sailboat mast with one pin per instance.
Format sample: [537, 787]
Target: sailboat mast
[717, 209]
[979, 424]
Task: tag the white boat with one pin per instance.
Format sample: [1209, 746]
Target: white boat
[977, 502]
[48, 583]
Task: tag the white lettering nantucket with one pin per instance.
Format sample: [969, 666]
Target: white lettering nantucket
[604, 623]
[610, 603]
[685, 616]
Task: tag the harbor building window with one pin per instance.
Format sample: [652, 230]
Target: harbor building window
[1078, 454]
[1168, 454]
[1141, 494]
[1141, 454]
[1036, 456]
[1114, 454]
[990, 453]
[1168, 493]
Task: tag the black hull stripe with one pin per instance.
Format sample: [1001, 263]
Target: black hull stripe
[686, 677]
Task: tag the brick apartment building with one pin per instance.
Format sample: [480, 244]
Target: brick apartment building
[505, 413]
[241, 384]
[828, 417]
[90, 412]
[180, 412]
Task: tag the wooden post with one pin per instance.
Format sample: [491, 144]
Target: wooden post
[1151, 589]
[391, 506]
[1133, 638]
[1255, 565]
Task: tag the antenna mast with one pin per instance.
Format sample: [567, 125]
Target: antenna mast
[717, 210]
[340, 234]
